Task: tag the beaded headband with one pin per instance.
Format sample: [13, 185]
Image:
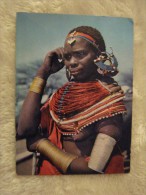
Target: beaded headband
[71, 38]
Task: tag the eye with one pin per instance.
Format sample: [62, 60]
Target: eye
[80, 54]
[67, 56]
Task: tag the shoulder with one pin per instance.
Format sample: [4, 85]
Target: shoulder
[107, 80]
[114, 120]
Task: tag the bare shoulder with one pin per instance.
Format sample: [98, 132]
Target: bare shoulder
[108, 80]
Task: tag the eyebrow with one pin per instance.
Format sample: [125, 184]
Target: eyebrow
[76, 50]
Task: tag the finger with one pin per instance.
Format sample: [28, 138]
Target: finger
[115, 89]
[114, 84]
[121, 91]
[104, 83]
[61, 49]
[110, 85]
[60, 53]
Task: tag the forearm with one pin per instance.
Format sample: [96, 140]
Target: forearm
[64, 161]
[100, 154]
[99, 157]
[30, 114]
[32, 141]
[80, 166]
[59, 158]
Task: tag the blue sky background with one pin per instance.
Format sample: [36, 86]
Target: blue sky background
[36, 34]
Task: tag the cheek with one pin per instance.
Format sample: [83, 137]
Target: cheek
[89, 59]
[88, 63]
[66, 63]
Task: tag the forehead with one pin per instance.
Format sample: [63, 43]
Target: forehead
[78, 44]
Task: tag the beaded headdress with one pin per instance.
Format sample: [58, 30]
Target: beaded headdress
[71, 38]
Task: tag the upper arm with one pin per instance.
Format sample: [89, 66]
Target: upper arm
[111, 126]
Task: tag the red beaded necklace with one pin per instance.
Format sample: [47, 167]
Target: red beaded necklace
[75, 97]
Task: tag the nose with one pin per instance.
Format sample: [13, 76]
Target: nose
[73, 62]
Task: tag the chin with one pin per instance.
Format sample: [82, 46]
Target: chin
[81, 79]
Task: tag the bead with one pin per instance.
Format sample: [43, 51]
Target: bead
[68, 123]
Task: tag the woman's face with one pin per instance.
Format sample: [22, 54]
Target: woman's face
[79, 60]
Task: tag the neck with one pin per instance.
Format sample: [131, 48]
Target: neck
[93, 77]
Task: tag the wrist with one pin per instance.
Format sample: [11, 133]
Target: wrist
[58, 157]
[43, 73]
[37, 85]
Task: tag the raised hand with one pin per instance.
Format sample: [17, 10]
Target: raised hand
[53, 62]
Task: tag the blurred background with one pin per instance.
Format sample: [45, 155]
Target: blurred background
[36, 34]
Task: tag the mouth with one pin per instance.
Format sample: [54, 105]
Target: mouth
[74, 72]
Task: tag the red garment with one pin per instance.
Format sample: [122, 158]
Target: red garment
[91, 102]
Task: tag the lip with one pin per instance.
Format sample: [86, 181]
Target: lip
[74, 72]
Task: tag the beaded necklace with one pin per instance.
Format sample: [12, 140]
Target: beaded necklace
[77, 105]
[74, 97]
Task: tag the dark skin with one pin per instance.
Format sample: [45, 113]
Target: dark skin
[79, 59]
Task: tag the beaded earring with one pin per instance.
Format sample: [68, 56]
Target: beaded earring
[106, 64]
[68, 75]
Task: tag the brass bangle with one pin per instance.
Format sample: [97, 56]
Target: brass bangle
[58, 157]
[37, 85]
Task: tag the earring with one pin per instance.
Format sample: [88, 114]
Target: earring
[100, 71]
[98, 62]
[106, 64]
[68, 75]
